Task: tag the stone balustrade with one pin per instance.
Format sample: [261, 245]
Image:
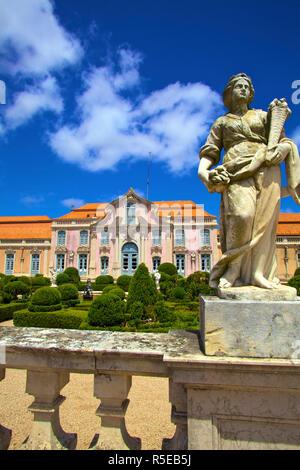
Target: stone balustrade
[217, 402]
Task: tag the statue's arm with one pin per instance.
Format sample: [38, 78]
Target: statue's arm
[203, 170]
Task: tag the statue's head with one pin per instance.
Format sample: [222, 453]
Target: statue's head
[238, 85]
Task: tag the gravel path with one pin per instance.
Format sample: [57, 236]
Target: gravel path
[148, 414]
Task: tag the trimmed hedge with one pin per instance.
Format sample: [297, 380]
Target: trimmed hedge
[62, 278]
[17, 287]
[68, 291]
[73, 274]
[106, 310]
[62, 319]
[45, 299]
[124, 281]
[167, 268]
[6, 311]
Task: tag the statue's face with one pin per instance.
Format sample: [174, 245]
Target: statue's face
[241, 90]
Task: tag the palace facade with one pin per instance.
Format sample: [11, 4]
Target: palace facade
[113, 238]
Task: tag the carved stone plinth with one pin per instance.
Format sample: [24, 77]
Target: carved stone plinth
[177, 396]
[5, 434]
[249, 328]
[46, 432]
[113, 390]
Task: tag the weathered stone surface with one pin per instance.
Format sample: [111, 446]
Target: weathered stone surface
[247, 328]
[258, 293]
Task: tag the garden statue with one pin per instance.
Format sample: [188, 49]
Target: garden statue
[53, 277]
[88, 291]
[249, 181]
[157, 277]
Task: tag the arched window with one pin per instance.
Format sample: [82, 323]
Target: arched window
[104, 264]
[61, 238]
[205, 236]
[84, 237]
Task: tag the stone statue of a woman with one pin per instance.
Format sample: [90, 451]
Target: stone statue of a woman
[250, 182]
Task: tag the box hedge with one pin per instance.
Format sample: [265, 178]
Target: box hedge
[7, 311]
[107, 310]
[62, 319]
[45, 299]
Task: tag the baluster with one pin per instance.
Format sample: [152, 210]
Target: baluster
[5, 434]
[178, 398]
[112, 390]
[46, 432]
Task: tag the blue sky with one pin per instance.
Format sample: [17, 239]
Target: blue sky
[94, 86]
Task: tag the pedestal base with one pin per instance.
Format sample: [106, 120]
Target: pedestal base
[250, 328]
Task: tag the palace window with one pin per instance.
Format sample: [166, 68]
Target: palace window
[82, 264]
[84, 237]
[130, 213]
[104, 240]
[60, 263]
[61, 238]
[104, 263]
[179, 237]
[35, 264]
[156, 260]
[9, 264]
[156, 238]
[205, 237]
[180, 264]
[205, 263]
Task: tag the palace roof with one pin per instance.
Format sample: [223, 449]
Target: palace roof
[25, 227]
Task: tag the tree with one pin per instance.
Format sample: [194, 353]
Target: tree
[142, 288]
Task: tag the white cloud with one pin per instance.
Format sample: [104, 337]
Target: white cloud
[31, 39]
[33, 45]
[42, 97]
[113, 125]
[29, 200]
[72, 202]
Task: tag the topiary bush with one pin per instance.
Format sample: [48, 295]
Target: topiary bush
[295, 282]
[39, 281]
[73, 274]
[45, 299]
[124, 281]
[195, 289]
[106, 310]
[26, 280]
[61, 319]
[142, 287]
[104, 280]
[178, 293]
[117, 291]
[167, 268]
[163, 314]
[16, 288]
[69, 295]
[62, 278]
[200, 277]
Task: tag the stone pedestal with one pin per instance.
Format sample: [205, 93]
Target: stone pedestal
[250, 328]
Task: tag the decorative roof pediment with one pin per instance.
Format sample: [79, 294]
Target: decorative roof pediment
[83, 249]
[61, 249]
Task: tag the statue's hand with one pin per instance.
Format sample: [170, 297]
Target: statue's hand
[278, 154]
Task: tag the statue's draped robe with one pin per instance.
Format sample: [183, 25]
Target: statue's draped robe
[250, 205]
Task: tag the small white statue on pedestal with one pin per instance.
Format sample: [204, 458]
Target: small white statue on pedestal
[53, 277]
[157, 276]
